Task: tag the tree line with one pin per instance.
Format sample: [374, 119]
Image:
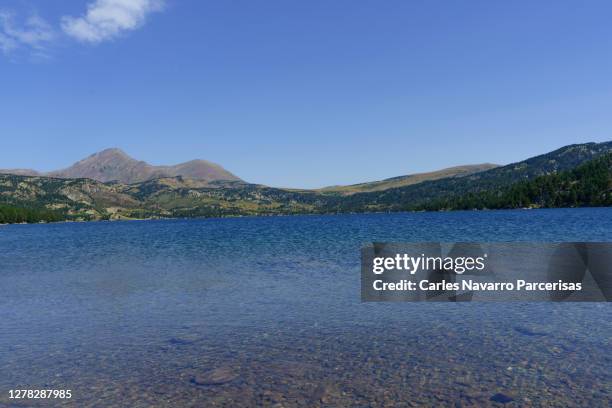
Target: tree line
[12, 215]
[588, 185]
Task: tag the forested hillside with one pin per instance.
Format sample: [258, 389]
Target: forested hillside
[429, 193]
[573, 176]
[588, 185]
[11, 215]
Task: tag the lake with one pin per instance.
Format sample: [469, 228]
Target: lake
[266, 311]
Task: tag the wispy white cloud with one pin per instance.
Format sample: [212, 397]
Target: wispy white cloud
[7, 44]
[102, 20]
[34, 33]
[108, 19]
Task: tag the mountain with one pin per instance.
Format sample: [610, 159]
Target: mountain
[402, 181]
[419, 195]
[21, 172]
[116, 165]
[589, 184]
[87, 199]
[576, 175]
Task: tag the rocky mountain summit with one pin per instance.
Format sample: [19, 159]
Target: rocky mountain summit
[115, 165]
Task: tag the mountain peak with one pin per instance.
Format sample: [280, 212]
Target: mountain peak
[111, 151]
[113, 164]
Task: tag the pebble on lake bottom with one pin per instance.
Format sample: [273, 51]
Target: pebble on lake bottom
[217, 376]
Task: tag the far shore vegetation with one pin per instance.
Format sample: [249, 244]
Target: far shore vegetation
[586, 185]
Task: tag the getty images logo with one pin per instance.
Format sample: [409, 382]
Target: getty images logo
[498, 271]
[412, 264]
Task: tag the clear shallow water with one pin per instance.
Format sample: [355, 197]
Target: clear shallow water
[139, 313]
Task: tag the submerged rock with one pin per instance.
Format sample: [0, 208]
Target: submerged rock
[531, 330]
[217, 376]
[501, 398]
[320, 393]
[180, 341]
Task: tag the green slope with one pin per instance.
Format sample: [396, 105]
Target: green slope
[418, 195]
[402, 181]
[561, 178]
[588, 185]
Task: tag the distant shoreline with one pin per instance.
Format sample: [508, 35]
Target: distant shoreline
[480, 210]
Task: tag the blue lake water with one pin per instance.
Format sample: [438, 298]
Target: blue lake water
[266, 311]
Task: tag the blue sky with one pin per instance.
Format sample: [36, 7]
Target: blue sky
[302, 93]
